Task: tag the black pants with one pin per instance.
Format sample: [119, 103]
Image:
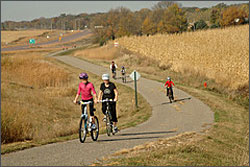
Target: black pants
[171, 91]
[112, 106]
[91, 107]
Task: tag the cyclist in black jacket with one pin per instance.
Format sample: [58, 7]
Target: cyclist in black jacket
[109, 90]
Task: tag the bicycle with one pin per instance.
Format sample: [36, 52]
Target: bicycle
[86, 124]
[114, 74]
[109, 123]
[170, 94]
[124, 78]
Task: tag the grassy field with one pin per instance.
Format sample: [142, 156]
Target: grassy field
[219, 54]
[10, 36]
[36, 103]
[225, 144]
[206, 53]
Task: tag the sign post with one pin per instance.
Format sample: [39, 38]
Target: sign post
[135, 76]
[136, 100]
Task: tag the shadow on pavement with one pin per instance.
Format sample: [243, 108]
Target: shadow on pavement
[145, 133]
[176, 100]
[132, 138]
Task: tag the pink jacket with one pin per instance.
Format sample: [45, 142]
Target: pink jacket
[85, 90]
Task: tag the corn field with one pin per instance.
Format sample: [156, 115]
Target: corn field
[220, 54]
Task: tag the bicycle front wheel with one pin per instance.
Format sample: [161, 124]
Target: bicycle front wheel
[83, 130]
[95, 132]
[108, 125]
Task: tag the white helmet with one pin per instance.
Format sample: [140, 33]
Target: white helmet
[168, 78]
[105, 77]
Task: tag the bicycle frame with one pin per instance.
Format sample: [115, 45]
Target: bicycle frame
[86, 124]
[108, 115]
[85, 111]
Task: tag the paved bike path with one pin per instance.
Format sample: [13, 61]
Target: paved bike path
[187, 114]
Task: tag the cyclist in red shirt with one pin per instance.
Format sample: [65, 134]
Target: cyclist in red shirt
[168, 85]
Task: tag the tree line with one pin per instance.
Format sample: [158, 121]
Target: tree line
[166, 17]
[163, 17]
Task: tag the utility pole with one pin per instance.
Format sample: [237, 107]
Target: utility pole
[51, 24]
[64, 26]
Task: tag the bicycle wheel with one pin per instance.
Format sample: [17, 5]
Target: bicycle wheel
[95, 132]
[83, 130]
[170, 98]
[108, 125]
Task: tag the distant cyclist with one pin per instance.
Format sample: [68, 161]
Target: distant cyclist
[168, 85]
[113, 68]
[123, 71]
[85, 88]
[109, 90]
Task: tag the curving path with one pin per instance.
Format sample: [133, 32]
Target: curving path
[187, 114]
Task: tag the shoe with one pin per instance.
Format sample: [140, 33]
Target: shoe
[93, 126]
[115, 129]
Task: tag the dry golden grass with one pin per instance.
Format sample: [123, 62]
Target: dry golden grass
[220, 54]
[226, 143]
[26, 79]
[103, 53]
[14, 38]
[9, 36]
[33, 70]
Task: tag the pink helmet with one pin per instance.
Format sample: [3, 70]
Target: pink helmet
[83, 75]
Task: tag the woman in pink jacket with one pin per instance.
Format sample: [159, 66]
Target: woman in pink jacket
[84, 89]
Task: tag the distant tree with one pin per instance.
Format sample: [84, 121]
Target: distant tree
[148, 26]
[161, 27]
[215, 16]
[220, 6]
[214, 26]
[233, 16]
[174, 19]
[201, 24]
[164, 5]
[63, 15]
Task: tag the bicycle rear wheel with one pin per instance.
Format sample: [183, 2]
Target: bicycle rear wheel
[170, 98]
[108, 125]
[169, 95]
[95, 132]
[83, 129]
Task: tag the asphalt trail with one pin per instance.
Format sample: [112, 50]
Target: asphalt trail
[187, 114]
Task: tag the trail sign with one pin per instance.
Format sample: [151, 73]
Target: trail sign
[32, 41]
[133, 74]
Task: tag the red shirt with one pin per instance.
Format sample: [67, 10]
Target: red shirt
[85, 90]
[169, 83]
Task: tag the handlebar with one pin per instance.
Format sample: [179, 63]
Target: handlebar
[106, 100]
[83, 103]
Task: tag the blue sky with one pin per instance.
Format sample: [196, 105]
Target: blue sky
[29, 10]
